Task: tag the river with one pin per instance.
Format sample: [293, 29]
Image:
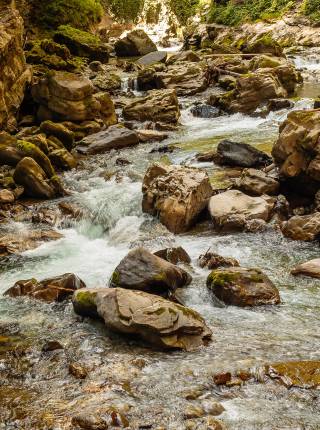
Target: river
[91, 248]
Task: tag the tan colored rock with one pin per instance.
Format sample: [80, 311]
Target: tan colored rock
[239, 286]
[183, 56]
[6, 196]
[55, 289]
[177, 194]
[306, 227]
[142, 270]
[158, 105]
[232, 209]
[257, 182]
[149, 317]
[296, 151]
[15, 75]
[310, 268]
[302, 374]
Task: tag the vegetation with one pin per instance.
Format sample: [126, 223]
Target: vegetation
[77, 13]
[230, 13]
[125, 10]
[184, 9]
[311, 8]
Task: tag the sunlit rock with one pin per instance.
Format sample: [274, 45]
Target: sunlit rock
[310, 268]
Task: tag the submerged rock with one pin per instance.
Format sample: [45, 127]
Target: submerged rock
[142, 270]
[233, 209]
[177, 194]
[49, 290]
[149, 317]
[134, 44]
[240, 155]
[302, 374]
[115, 137]
[306, 227]
[204, 111]
[158, 105]
[310, 268]
[238, 286]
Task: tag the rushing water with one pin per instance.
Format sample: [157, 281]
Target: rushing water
[242, 338]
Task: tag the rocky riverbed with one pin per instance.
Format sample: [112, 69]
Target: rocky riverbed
[62, 370]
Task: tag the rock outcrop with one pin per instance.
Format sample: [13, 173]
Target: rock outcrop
[238, 286]
[55, 289]
[15, 75]
[234, 209]
[144, 271]
[151, 318]
[135, 44]
[158, 105]
[177, 194]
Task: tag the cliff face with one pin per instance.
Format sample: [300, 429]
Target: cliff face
[14, 72]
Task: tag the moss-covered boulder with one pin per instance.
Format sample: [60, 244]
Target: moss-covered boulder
[62, 159]
[61, 132]
[142, 270]
[82, 43]
[238, 286]
[264, 44]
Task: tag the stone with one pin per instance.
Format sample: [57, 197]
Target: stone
[15, 243]
[222, 378]
[174, 255]
[82, 43]
[306, 227]
[212, 407]
[49, 290]
[279, 104]
[34, 180]
[158, 105]
[301, 374]
[64, 96]
[232, 209]
[212, 261]
[151, 135]
[63, 159]
[309, 268]
[78, 371]
[240, 154]
[257, 182]
[106, 81]
[153, 57]
[152, 318]
[184, 56]
[239, 286]
[144, 271]
[193, 411]
[296, 150]
[134, 44]
[176, 194]
[15, 75]
[6, 196]
[52, 345]
[115, 137]
[59, 131]
[204, 111]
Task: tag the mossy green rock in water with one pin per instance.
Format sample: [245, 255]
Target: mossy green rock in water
[84, 303]
[243, 287]
[142, 270]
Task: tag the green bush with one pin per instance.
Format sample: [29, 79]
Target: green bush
[77, 13]
[312, 9]
[251, 10]
[125, 10]
[184, 9]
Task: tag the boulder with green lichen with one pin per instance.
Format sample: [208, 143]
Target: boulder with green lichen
[61, 132]
[238, 286]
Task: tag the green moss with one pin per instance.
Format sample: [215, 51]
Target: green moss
[184, 9]
[79, 36]
[115, 279]
[219, 278]
[125, 10]
[311, 8]
[78, 13]
[30, 150]
[86, 298]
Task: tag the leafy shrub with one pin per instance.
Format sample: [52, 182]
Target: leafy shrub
[184, 9]
[312, 9]
[125, 10]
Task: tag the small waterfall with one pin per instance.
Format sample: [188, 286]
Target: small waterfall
[125, 84]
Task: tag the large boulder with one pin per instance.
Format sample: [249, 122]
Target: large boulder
[34, 180]
[151, 318]
[142, 270]
[64, 96]
[15, 75]
[296, 151]
[152, 58]
[309, 268]
[158, 105]
[135, 44]
[256, 183]
[233, 209]
[82, 44]
[306, 227]
[55, 289]
[239, 286]
[177, 194]
[240, 154]
[115, 137]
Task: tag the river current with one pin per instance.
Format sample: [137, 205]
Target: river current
[242, 338]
